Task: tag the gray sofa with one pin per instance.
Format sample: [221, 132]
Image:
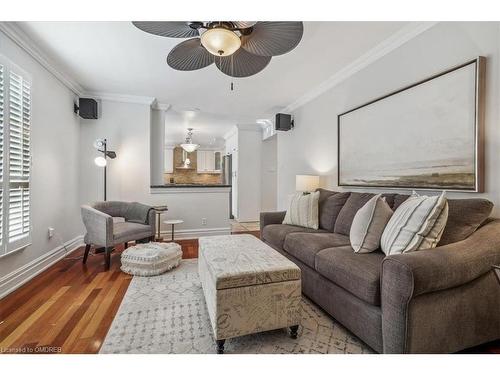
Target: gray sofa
[104, 232]
[439, 300]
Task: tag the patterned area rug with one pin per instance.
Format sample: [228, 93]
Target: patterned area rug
[167, 314]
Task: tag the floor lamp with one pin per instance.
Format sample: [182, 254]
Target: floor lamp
[101, 161]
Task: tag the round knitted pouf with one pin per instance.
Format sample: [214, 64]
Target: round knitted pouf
[150, 259]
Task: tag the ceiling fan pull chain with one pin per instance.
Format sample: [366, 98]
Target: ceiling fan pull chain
[232, 73]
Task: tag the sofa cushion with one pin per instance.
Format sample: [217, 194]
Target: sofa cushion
[368, 225]
[305, 246]
[416, 224]
[356, 273]
[275, 234]
[464, 217]
[329, 210]
[123, 231]
[346, 214]
[398, 199]
[303, 210]
[389, 198]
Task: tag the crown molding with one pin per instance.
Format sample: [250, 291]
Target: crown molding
[18, 36]
[396, 40]
[161, 106]
[147, 100]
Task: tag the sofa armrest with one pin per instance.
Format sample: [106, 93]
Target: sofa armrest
[447, 266]
[99, 226]
[267, 218]
[152, 221]
[407, 276]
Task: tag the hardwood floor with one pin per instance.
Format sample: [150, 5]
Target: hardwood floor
[69, 307]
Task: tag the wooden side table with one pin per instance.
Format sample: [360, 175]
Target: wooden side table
[159, 210]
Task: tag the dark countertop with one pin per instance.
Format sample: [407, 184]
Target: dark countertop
[189, 186]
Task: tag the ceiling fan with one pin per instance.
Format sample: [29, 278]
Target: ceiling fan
[238, 48]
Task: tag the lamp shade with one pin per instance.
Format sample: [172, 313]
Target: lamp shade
[100, 161]
[306, 183]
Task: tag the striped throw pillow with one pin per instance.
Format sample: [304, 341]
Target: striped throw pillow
[303, 210]
[417, 223]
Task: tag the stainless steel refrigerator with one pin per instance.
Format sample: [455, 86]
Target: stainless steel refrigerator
[227, 176]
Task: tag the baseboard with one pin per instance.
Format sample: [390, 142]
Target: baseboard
[186, 234]
[22, 275]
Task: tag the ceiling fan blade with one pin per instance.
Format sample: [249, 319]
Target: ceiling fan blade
[243, 24]
[189, 55]
[273, 38]
[177, 29]
[244, 64]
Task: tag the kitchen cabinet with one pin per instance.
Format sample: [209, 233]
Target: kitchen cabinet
[209, 161]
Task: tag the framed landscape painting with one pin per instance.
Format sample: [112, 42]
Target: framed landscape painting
[425, 136]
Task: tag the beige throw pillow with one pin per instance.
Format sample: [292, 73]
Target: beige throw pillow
[303, 210]
[368, 225]
[418, 223]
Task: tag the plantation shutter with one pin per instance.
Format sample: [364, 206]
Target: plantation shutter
[15, 158]
[2, 101]
[19, 162]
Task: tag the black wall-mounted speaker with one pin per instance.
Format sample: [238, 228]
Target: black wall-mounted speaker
[87, 108]
[283, 122]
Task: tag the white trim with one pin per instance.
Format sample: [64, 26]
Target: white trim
[175, 190]
[255, 127]
[388, 45]
[22, 275]
[231, 132]
[122, 98]
[14, 32]
[185, 234]
[161, 106]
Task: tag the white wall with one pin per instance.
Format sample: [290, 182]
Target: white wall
[269, 178]
[311, 147]
[54, 182]
[157, 142]
[127, 128]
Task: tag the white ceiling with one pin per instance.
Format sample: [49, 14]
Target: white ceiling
[208, 129]
[116, 57]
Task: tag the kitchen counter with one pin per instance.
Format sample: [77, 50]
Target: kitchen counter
[189, 186]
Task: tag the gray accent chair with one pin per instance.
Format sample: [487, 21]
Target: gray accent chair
[103, 232]
[439, 300]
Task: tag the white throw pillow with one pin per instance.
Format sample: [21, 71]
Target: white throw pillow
[418, 223]
[368, 225]
[303, 210]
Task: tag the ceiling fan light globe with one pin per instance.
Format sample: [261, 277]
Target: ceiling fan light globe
[220, 41]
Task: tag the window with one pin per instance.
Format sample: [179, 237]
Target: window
[15, 158]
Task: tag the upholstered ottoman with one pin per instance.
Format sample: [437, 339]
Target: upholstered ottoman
[249, 287]
[150, 259]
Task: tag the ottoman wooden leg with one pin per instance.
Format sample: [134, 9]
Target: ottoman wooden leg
[293, 331]
[220, 346]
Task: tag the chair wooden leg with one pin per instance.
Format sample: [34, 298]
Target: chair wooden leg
[108, 257]
[86, 254]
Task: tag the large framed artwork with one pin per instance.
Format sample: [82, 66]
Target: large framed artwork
[428, 135]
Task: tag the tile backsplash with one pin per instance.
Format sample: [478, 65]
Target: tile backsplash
[190, 176]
